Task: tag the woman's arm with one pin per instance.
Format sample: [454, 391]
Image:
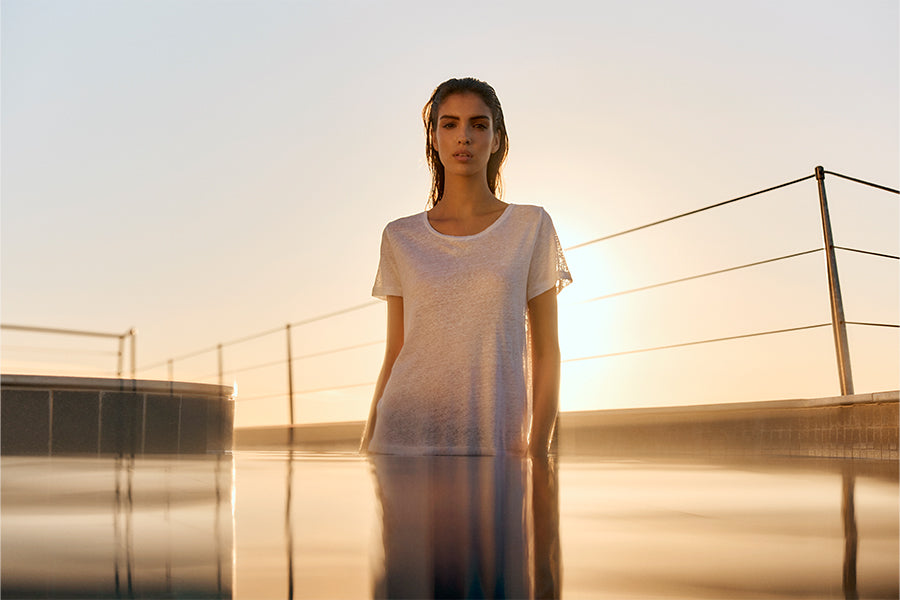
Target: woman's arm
[391, 350]
[545, 360]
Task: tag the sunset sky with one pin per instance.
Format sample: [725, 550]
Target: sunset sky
[206, 170]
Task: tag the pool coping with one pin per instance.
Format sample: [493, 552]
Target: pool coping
[48, 415]
[858, 426]
[146, 386]
[691, 412]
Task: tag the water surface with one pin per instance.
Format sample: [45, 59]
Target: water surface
[259, 525]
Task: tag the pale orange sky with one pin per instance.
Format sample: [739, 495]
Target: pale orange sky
[206, 171]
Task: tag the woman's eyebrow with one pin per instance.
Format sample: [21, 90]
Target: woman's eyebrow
[454, 117]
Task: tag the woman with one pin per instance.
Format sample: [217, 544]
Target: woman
[472, 360]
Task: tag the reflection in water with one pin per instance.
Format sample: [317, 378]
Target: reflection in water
[120, 527]
[162, 528]
[288, 525]
[848, 515]
[122, 511]
[468, 527]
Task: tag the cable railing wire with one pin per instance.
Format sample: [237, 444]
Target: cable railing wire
[59, 331]
[322, 317]
[867, 252]
[263, 397]
[273, 363]
[337, 350]
[864, 182]
[686, 214]
[374, 302]
[336, 313]
[607, 355]
[333, 388]
[178, 358]
[130, 335]
[66, 351]
[214, 348]
[708, 274]
[261, 334]
[308, 391]
[696, 343]
[290, 360]
[295, 359]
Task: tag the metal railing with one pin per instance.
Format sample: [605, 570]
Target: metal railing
[838, 321]
[130, 335]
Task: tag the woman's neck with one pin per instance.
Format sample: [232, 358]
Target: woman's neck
[466, 196]
[465, 210]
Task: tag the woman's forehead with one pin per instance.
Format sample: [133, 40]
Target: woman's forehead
[463, 104]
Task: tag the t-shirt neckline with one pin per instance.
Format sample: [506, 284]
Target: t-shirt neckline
[484, 231]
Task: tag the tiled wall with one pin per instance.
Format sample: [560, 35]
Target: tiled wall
[863, 428]
[36, 421]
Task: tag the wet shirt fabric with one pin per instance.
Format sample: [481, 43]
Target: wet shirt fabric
[461, 382]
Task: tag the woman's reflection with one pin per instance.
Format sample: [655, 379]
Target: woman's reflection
[468, 527]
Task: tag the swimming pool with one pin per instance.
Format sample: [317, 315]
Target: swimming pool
[256, 525]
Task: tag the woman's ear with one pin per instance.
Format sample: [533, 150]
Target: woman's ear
[496, 143]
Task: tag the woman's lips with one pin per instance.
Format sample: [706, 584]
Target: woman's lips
[462, 156]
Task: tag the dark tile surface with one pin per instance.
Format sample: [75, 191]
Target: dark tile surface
[194, 424]
[67, 422]
[227, 410]
[219, 425]
[120, 419]
[75, 422]
[161, 424]
[25, 422]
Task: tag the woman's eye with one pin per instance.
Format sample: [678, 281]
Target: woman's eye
[449, 125]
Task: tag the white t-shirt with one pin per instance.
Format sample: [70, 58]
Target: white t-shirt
[461, 382]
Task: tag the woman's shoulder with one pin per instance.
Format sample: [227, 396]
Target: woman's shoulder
[405, 223]
[534, 209]
[529, 212]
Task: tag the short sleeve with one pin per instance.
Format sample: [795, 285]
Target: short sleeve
[548, 267]
[387, 279]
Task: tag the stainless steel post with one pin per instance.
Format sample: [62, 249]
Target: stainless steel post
[839, 325]
[219, 356]
[290, 374]
[133, 334]
[121, 361]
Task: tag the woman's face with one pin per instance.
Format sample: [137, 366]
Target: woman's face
[465, 136]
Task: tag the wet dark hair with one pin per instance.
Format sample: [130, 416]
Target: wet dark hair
[429, 119]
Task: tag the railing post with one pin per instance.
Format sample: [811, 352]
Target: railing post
[220, 361]
[120, 363]
[133, 333]
[290, 374]
[838, 324]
